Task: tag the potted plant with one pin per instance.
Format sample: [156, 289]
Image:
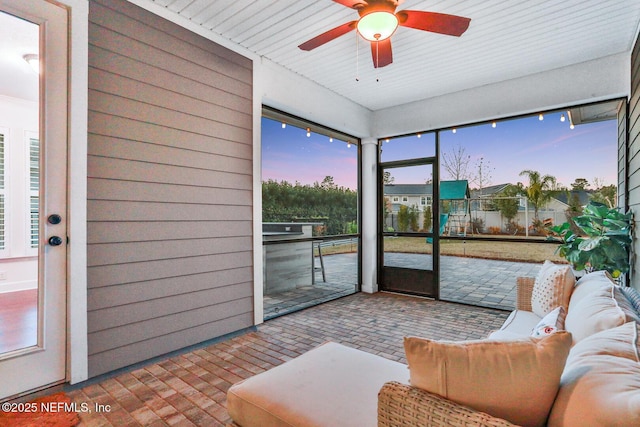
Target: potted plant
[603, 243]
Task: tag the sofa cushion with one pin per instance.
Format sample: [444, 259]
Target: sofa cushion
[590, 283]
[330, 385]
[552, 288]
[515, 380]
[519, 323]
[597, 304]
[600, 385]
[551, 323]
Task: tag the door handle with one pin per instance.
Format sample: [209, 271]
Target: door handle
[54, 219]
[55, 240]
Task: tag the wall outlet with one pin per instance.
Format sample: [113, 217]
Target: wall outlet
[3, 275]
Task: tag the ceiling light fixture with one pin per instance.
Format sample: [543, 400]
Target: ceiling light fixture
[377, 26]
[33, 61]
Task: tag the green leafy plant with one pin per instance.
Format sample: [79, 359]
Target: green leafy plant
[603, 242]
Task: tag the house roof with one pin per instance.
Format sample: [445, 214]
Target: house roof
[489, 191]
[506, 39]
[583, 196]
[408, 189]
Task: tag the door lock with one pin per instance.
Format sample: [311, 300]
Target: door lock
[55, 240]
[54, 219]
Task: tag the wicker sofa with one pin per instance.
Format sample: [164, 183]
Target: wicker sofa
[334, 385]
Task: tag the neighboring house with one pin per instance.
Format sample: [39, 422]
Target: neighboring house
[419, 195]
[454, 196]
[565, 197]
[551, 213]
[485, 193]
[160, 244]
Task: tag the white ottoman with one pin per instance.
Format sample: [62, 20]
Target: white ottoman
[331, 385]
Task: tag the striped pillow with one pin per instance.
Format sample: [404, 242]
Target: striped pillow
[633, 296]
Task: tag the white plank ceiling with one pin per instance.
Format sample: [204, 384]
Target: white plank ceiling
[506, 39]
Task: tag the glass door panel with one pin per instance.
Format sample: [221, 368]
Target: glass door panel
[407, 245]
[33, 206]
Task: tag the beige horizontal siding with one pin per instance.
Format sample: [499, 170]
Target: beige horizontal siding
[111, 168]
[162, 192]
[123, 231]
[129, 293]
[126, 355]
[229, 161]
[133, 252]
[170, 188]
[124, 128]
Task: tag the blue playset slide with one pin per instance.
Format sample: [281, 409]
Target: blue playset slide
[443, 222]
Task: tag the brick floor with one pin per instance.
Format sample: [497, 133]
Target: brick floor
[190, 389]
[474, 281]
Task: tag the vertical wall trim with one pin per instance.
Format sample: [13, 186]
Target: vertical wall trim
[77, 340]
[369, 215]
[632, 154]
[258, 289]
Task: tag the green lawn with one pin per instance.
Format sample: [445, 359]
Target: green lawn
[511, 251]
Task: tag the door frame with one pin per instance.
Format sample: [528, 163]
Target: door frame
[78, 107]
[77, 128]
[45, 364]
[428, 278]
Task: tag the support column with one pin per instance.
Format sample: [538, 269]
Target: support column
[369, 226]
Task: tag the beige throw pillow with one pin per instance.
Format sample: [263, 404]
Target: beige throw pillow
[600, 385]
[552, 288]
[514, 380]
[597, 304]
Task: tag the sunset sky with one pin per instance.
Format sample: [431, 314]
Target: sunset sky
[549, 146]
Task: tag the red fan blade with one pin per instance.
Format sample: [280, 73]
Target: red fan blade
[328, 36]
[352, 3]
[381, 53]
[442, 23]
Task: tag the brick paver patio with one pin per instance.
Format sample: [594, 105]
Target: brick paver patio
[487, 283]
[190, 389]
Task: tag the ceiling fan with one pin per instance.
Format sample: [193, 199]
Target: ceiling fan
[379, 20]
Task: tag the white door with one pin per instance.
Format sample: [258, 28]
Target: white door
[34, 192]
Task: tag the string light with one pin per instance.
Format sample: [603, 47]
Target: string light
[453, 130]
[562, 119]
[419, 135]
[540, 117]
[493, 125]
[308, 132]
[284, 125]
[572, 126]
[348, 145]
[330, 139]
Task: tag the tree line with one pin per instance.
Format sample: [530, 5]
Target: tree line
[334, 206]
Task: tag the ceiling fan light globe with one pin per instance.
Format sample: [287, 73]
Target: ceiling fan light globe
[377, 26]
